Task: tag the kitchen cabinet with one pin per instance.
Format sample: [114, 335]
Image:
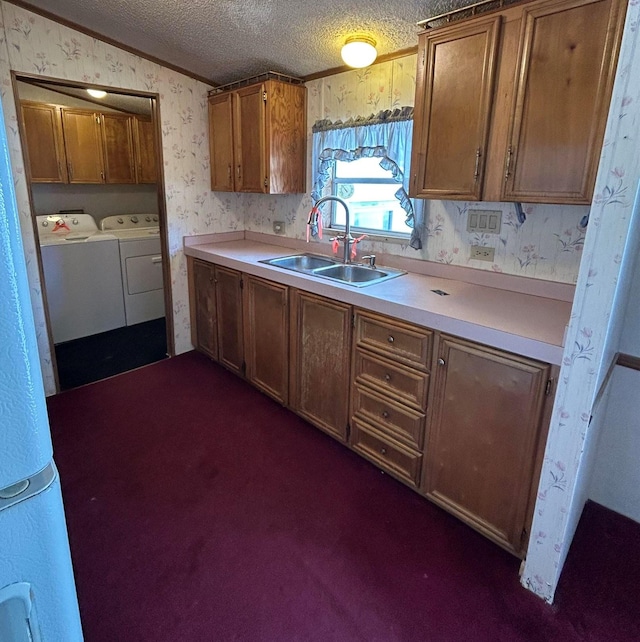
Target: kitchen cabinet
[391, 364]
[266, 336]
[144, 145]
[83, 145]
[482, 454]
[229, 319]
[453, 100]
[64, 145]
[45, 158]
[257, 138]
[117, 143]
[202, 300]
[512, 106]
[320, 361]
[460, 423]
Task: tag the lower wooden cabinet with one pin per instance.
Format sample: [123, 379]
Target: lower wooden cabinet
[462, 423]
[320, 361]
[267, 336]
[202, 300]
[485, 430]
[229, 319]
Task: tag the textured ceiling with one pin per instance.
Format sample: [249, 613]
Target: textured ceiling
[226, 40]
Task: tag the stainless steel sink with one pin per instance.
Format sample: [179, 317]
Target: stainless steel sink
[325, 267]
[301, 262]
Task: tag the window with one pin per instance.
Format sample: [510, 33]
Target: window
[369, 191]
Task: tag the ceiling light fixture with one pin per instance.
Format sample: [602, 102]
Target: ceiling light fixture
[359, 51]
[96, 93]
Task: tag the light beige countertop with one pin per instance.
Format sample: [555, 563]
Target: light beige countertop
[528, 325]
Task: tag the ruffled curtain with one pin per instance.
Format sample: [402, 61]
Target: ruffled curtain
[387, 136]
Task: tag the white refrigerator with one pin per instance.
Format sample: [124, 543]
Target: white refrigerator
[37, 590]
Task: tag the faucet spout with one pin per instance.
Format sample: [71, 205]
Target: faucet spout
[347, 238]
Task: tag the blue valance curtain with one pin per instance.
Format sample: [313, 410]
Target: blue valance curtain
[387, 136]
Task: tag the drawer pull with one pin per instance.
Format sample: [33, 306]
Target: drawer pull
[390, 338]
[441, 361]
[383, 451]
[385, 414]
[387, 377]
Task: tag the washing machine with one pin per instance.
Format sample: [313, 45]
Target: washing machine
[82, 278]
[141, 264]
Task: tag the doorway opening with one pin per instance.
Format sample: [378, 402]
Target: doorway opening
[93, 161]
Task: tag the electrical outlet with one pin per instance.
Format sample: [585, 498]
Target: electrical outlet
[482, 253]
[278, 227]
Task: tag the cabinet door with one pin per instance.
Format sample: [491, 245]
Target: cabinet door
[453, 103]
[286, 126]
[320, 354]
[249, 138]
[267, 337]
[221, 142]
[203, 310]
[144, 145]
[566, 65]
[481, 452]
[229, 319]
[83, 144]
[117, 143]
[44, 146]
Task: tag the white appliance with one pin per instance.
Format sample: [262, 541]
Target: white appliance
[37, 591]
[81, 267]
[141, 264]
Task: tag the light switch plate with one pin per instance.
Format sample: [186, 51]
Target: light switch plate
[484, 221]
[278, 227]
[482, 253]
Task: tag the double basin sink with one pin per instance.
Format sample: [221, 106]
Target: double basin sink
[328, 268]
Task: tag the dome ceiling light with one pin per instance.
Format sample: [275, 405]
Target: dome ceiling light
[359, 51]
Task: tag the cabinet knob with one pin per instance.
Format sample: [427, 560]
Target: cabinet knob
[387, 377]
[441, 361]
[385, 414]
[383, 451]
[390, 338]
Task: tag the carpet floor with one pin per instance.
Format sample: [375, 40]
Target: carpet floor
[198, 509]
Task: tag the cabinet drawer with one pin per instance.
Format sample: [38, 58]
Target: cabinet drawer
[403, 423]
[399, 460]
[393, 379]
[410, 344]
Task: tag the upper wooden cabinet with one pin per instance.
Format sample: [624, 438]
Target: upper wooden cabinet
[144, 147]
[65, 145]
[453, 98]
[84, 146]
[540, 76]
[258, 138]
[45, 158]
[117, 143]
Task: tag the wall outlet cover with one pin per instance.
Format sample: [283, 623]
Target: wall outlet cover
[482, 253]
[278, 227]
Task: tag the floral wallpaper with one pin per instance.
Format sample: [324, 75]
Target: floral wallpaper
[566, 471]
[35, 45]
[547, 246]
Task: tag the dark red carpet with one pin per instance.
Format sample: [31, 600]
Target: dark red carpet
[198, 509]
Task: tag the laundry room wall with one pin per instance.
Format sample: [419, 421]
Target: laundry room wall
[32, 44]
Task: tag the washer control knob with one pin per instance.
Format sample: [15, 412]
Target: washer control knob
[155, 219]
[45, 223]
[134, 219]
[147, 219]
[74, 221]
[120, 220]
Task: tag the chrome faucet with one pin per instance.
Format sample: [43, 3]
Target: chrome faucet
[346, 237]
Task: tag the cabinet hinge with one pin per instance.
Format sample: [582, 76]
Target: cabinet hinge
[98, 120]
[348, 431]
[264, 96]
[353, 320]
[549, 387]
[242, 284]
[243, 367]
[266, 181]
[523, 536]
